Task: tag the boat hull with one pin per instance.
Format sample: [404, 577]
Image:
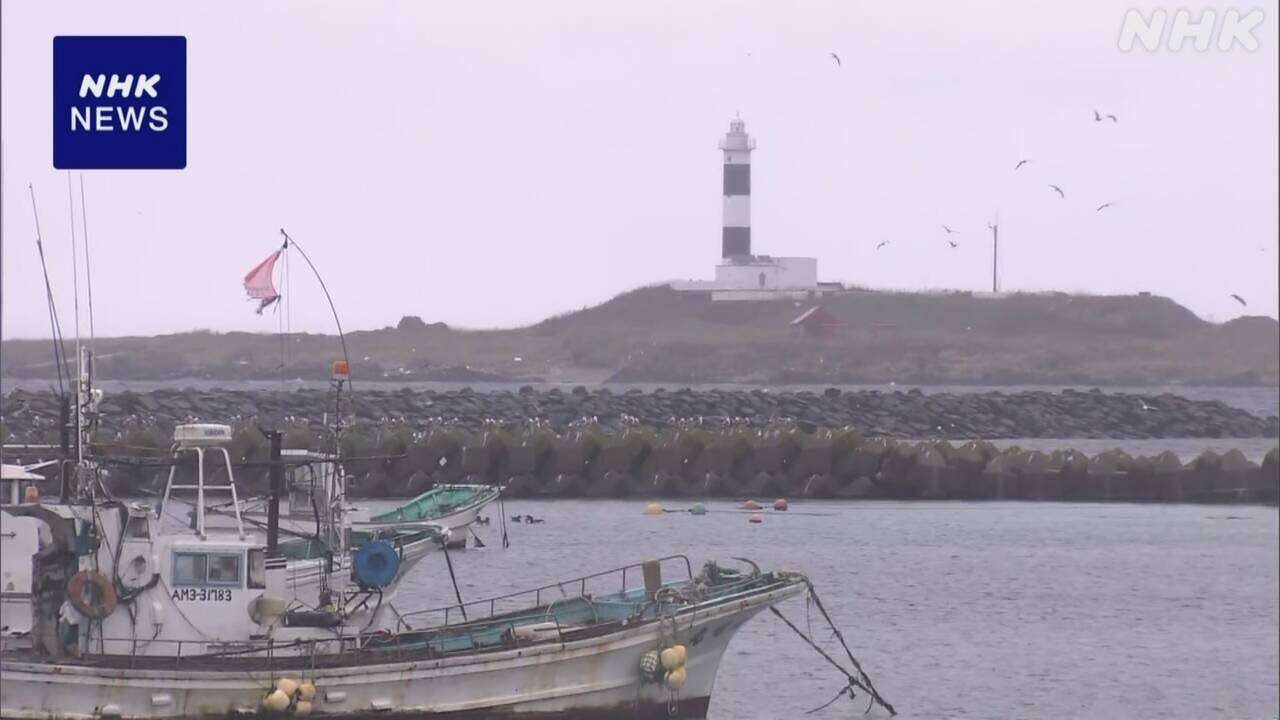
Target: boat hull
[592, 677]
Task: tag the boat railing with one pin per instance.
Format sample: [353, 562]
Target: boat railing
[488, 607]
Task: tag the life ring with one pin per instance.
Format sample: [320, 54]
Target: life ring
[92, 594]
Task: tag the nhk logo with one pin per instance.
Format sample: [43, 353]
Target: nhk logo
[119, 102]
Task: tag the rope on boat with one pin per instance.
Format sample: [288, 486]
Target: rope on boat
[860, 682]
[444, 545]
[502, 515]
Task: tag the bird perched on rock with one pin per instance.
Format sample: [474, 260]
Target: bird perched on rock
[1239, 300]
[1059, 191]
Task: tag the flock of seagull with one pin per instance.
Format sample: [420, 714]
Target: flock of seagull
[1097, 118]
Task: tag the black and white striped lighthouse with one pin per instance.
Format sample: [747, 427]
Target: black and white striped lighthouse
[735, 240]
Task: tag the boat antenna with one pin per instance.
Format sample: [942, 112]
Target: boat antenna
[55, 327]
[289, 241]
[88, 271]
[75, 303]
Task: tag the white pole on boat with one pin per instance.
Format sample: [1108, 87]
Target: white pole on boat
[75, 297]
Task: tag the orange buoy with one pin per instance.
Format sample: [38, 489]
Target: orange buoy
[751, 505]
[780, 504]
[756, 518]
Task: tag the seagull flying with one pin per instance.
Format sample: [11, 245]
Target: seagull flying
[1059, 191]
[1103, 206]
[949, 230]
[1020, 164]
[882, 244]
[837, 59]
[953, 244]
[1099, 117]
[1240, 300]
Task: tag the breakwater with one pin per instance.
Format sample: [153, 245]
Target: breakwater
[702, 444]
[912, 414]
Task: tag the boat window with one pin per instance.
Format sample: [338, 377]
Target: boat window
[188, 569]
[136, 528]
[257, 568]
[224, 569]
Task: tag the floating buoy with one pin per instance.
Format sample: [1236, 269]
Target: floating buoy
[673, 657]
[682, 653]
[653, 508]
[306, 690]
[751, 505]
[698, 509]
[675, 678]
[302, 708]
[756, 518]
[780, 504]
[288, 686]
[276, 701]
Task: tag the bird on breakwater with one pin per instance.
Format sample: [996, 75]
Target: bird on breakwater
[1239, 300]
[882, 244]
[1059, 191]
[1020, 164]
[1099, 117]
[1103, 206]
[837, 59]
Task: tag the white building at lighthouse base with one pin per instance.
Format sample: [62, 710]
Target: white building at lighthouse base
[760, 277]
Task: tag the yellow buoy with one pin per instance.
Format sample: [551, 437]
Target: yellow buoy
[306, 690]
[756, 518]
[682, 652]
[276, 701]
[653, 508]
[671, 658]
[751, 505]
[302, 708]
[287, 686]
[780, 504]
[676, 678]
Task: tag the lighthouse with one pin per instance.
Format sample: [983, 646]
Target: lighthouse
[742, 274]
[735, 240]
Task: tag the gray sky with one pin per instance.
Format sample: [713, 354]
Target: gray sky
[488, 164]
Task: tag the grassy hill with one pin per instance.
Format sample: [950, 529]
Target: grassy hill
[657, 334]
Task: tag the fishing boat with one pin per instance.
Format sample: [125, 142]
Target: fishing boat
[137, 618]
[451, 506]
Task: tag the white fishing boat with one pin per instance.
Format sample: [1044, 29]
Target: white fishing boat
[137, 618]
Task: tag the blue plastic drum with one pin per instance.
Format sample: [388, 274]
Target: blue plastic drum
[375, 564]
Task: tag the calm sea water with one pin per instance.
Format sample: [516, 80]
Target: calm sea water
[974, 610]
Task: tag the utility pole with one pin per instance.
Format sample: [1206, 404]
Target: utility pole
[995, 255]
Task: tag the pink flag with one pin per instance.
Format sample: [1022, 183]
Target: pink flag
[258, 282]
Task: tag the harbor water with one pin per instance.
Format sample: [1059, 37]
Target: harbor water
[973, 610]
